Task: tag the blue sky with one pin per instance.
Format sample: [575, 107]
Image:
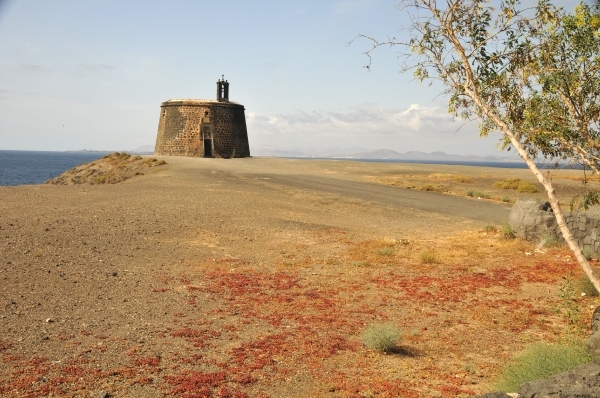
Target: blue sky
[92, 74]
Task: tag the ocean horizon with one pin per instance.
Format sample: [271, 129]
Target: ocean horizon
[37, 167]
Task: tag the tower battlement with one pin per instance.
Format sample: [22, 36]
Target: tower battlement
[203, 128]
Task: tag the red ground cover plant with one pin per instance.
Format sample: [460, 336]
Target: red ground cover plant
[238, 329]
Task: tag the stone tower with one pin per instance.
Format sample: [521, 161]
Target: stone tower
[203, 128]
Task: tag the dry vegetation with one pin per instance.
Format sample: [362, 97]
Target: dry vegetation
[491, 184]
[462, 317]
[111, 169]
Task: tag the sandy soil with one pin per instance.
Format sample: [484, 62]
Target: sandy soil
[232, 278]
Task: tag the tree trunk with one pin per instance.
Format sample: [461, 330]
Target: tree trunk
[558, 214]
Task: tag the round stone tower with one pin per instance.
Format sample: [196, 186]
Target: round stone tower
[204, 128]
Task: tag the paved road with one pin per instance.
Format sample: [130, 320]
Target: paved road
[434, 202]
[279, 175]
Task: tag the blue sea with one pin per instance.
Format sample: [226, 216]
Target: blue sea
[37, 167]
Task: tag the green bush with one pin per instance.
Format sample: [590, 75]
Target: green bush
[507, 231]
[506, 199]
[585, 285]
[381, 337]
[540, 361]
[549, 241]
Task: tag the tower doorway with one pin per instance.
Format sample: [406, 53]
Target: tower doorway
[208, 144]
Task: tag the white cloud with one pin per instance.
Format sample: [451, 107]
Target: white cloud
[97, 66]
[417, 128]
[33, 68]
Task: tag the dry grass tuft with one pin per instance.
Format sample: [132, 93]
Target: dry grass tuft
[517, 185]
[428, 257]
[509, 183]
[381, 337]
[527, 187]
[463, 179]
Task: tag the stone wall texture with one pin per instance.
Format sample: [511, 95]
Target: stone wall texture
[534, 221]
[183, 122]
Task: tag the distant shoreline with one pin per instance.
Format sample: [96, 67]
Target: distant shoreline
[505, 164]
[496, 164]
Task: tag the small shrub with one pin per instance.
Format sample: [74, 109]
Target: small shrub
[469, 367]
[585, 285]
[549, 241]
[527, 187]
[478, 194]
[428, 188]
[569, 306]
[542, 360]
[463, 179]
[507, 231]
[490, 228]
[588, 254]
[385, 251]
[428, 258]
[509, 183]
[381, 337]
[505, 199]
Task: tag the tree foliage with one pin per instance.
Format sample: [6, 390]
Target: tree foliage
[531, 74]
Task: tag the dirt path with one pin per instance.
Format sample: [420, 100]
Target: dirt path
[255, 277]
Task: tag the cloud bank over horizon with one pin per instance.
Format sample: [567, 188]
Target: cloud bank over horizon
[369, 127]
[93, 76]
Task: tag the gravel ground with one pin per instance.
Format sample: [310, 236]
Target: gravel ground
[80, 265]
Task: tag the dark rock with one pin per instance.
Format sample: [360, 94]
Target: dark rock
[595, 324]
[593, 342]
[104, 394]
[593, 345]
[530, 219]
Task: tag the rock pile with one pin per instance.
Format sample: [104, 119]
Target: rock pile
[534, 221]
